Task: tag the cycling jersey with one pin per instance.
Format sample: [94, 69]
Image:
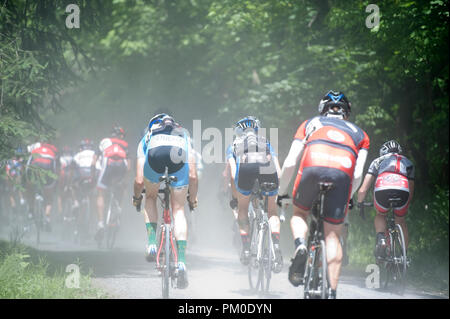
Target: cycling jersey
[254, 158]
[112, 162]
[83, 165]
[14, 168]
[167, 148]
[330, 153]
[393, 163]
[393, 173]
[44, 156]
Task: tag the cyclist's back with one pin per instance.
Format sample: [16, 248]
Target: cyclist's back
[393, 173]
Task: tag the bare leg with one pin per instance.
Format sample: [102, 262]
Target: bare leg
[334, 252]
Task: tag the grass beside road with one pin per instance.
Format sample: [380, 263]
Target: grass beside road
[26, 275]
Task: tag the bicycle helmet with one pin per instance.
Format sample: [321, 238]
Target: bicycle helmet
[118, 131]
[86, 144]
[332, 99]
[161, 122]
[391, 146]
[245, 123]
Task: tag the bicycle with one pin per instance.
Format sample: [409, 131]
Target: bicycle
[395, 263]
[316, 281]
[262, 252]
[112, 220]
[166, 256]
[83, 216]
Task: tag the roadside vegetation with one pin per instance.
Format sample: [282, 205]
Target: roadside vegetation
[24, 274]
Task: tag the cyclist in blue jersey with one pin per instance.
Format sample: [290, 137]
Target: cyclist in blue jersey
[252, 157]
[166, 144]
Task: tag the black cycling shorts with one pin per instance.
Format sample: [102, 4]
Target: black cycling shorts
[247, 173]
[336, 199]
[113, 174]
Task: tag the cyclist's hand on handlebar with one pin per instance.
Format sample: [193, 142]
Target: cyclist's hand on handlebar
[282, 199]
[361, 210]
[350, 204]
[137, 201]
[192, 203]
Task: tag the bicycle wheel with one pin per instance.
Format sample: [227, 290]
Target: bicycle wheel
[38, 221]
[309, 275]
[268, 255]
[400, 263]
[386, 265]
[323, 271]
[254, 266]
[166, 263]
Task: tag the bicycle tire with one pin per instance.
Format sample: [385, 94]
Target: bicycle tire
[166, 264]
[324, 282]
[309, 273]
[386, 266]
[253, 263]
[267, 256]
[400, 253]
[38, 222]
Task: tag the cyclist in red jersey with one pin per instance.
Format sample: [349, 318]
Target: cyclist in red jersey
[393, 175]
[41, 176]
[330, 149]
[113, 164]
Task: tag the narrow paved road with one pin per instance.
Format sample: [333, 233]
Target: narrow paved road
[213, 265]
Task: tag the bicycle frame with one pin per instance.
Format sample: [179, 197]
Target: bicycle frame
[166, 244]
[395, 265]
[261, 233]
[316, 280]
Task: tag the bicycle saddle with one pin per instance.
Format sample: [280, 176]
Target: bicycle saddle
[268, 187]
[325, 186]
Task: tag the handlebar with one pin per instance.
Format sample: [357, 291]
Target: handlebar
[361, 208]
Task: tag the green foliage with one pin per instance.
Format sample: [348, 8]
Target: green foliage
[22, 279]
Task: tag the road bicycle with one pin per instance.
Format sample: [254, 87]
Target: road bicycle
[394, 263]
[112, 219]
[262, 252]
[166, 256]
[316, 281]
[83, 215]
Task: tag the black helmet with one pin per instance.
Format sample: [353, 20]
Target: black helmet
[391, 146]
[332, 99]
[118, 131]
[86, 144]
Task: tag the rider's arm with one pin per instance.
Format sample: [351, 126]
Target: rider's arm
[193, 178]
[411, 189]
[289, 165]
[368, 180]
[139, 180]
[359, 167]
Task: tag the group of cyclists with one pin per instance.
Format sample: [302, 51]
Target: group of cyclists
[325, 148]
[63, 173]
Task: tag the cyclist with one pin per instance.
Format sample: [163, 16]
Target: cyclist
[41, 175]
[14, 171]
[84, 167]
[65, 175]
[113, 165]
[393, 175]
[331, 149]
[252, 157]
[166, 144]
